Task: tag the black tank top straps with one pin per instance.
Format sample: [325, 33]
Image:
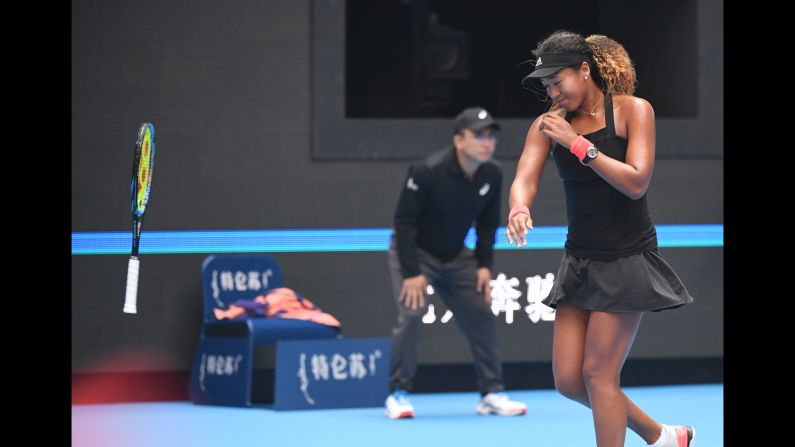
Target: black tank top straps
[610, 126]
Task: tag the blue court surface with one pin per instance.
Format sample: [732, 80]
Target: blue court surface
[442, 419]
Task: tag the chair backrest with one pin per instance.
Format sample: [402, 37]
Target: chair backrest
[228, 278]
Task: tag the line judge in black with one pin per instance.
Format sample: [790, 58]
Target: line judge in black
[441, 198]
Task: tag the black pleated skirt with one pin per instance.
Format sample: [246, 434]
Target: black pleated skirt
[636, 283]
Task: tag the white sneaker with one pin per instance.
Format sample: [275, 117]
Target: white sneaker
[398, 405]
[680, 435]
[498, 403]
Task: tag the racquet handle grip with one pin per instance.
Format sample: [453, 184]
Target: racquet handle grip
[131, 298]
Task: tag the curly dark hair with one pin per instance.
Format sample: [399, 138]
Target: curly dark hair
[615, 73]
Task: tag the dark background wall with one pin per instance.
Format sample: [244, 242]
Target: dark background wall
[675, 46]
[229, 87]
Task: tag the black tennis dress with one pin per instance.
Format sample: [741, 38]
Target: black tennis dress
[611, 261]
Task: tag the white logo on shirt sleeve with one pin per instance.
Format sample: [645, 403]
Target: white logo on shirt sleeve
[484, 189]
[411, 185]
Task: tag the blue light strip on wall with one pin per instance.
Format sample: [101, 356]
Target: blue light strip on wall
[333, 240]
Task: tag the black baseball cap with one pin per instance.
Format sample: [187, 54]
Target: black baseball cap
[474, 119]
[550, 63]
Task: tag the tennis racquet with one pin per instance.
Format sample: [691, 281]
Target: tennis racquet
[143, 161]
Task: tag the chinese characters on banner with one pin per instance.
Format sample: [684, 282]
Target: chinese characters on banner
[340, 367]
[505, 298]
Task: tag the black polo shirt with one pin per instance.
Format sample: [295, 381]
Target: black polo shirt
[438, 205]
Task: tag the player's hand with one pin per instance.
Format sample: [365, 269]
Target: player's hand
[517, 228]
[484, 277]
[556, 127]
[413, 293]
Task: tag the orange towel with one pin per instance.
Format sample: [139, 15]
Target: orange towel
[283, 302]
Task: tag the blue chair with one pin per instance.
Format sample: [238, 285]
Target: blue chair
[223, 366]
